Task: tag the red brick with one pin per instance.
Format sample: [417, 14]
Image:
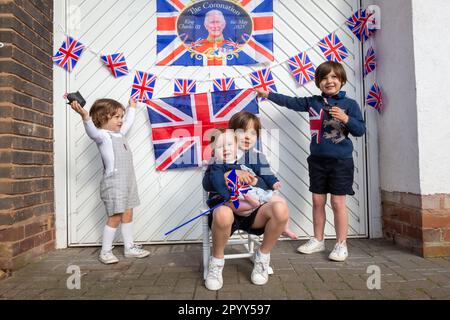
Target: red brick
[436, 251]
[413, 232]
[412, 200]
[432, 235]
[446, 235]
[431, 202]
[436, 219]
[37, 227]
[12, 234]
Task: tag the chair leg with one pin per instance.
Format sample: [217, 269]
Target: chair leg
[205, 246]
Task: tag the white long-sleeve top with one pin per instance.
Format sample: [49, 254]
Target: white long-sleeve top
[103, 139]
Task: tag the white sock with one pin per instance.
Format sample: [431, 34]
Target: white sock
[264, 256]
[217, 261]
[108, 238]
[127, 235]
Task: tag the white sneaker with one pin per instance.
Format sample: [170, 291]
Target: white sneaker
[107, 257]
[214, 279]
[260, 273]
[339, 253]
[136, 251]
[312, 246]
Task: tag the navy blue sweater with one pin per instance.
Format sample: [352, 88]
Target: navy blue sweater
[214, 181]
[332, 140]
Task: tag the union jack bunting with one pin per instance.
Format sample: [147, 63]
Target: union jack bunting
[180, 125]
[302, 68]
[143, 86]
[68, 54]
[236, 188]
[225, 84]
[332, 48]
[359, 24]
[315, 123]
[183, 87]
[375, 97]
[370, 62]
[263, 79]
[116, 63]
[183, 39]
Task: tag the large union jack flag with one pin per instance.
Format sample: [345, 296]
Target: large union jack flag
[224, 84]
[143, 86]
[302, 68]
[253, 47]
[236, 188]
[182, 87]
[69, 53]
[359, 24]
[333, 49]
[375, 97]
[181, 125]
[263, 79]
[116, 64]
[370, 62]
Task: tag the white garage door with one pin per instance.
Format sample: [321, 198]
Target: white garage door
[169, 198]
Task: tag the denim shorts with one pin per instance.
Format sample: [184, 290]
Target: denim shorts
[330, 175]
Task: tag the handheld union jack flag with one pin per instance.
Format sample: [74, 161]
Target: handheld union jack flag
[225, 84]
[332, 48]
[143, 86]
[302, 68]
[236, 188]
[183, 87]
[370, 62]
[180, 125]
[375, 97]
[69, 53]
[358, 23]
[315, 123]
[263, 79]
[116, 63]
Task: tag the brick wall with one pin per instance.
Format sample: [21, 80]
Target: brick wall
[421, 223]
[27, 227]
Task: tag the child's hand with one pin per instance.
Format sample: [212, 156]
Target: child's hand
[276, 185]
[339, 114]
[132, 103]
[246, 177]
[262, 93]
[80, 110]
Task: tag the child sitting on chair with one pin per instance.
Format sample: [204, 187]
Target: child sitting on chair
[252, 167]
[224, 145]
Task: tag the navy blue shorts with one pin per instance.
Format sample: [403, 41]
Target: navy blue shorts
[330, 175]
[240, 222]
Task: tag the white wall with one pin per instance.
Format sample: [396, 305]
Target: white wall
[398, 136]
[432, 64]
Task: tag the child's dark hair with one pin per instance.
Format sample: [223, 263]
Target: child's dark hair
[104, 109]
[325, 68]
[241, 120]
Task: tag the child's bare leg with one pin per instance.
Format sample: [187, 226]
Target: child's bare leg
[127, 229]
[340, 217]
[114, 220]
[109, 232]
[286, 231]
[319, 201]
[221, 229]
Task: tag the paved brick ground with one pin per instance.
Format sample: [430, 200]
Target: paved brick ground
[174, 272]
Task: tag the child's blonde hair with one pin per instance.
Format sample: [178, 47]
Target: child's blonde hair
[104, 109]
[325, 68]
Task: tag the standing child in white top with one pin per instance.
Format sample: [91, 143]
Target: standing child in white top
[106, 125]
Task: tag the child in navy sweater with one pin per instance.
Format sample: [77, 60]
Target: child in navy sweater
[333, 117]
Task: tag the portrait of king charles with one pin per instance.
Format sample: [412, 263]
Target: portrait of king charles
[215, 44]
